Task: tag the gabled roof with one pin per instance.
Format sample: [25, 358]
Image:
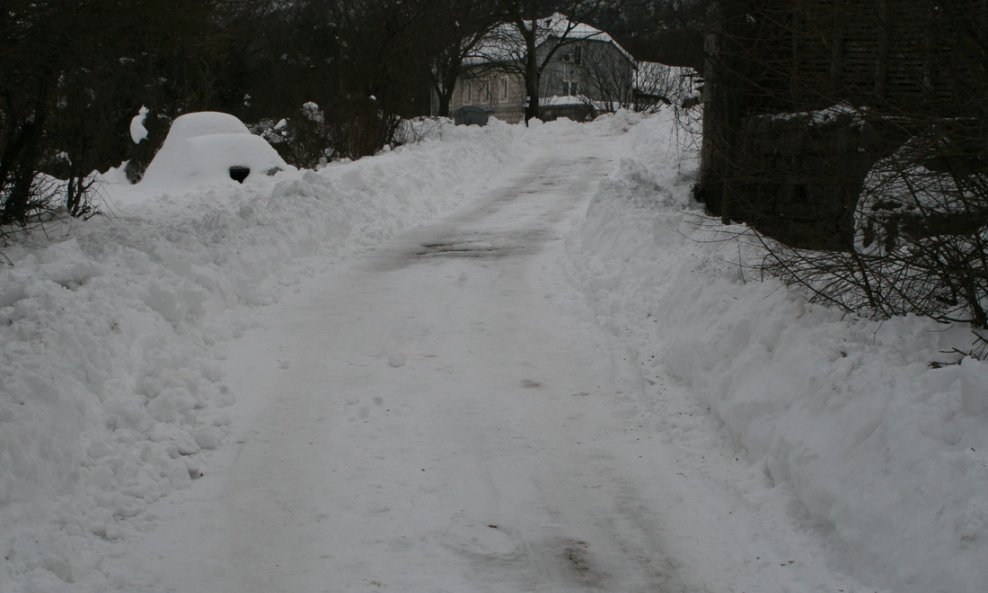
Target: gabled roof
[505, 44]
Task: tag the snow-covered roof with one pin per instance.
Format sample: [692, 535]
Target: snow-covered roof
[505, 44]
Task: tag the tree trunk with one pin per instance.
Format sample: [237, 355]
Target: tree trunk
[20, 162]
[445, 98]
[532, 110]
[531, 73]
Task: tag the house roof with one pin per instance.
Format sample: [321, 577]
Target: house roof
[505, 44]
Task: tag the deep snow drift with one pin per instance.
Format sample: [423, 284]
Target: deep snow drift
[109, 387]
[878, 447]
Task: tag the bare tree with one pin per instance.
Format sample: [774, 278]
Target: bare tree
[651, 87]
[456, 27]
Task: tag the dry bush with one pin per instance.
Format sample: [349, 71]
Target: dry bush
[920, 237]
[854, 134]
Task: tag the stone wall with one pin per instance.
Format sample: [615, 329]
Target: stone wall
[773, 157]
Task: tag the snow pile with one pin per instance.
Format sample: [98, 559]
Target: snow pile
[201, 148]
[138, 133]
[878, 446]
[108, 382]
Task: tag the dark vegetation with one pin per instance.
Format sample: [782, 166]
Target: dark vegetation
[342, 73]
[852, 136]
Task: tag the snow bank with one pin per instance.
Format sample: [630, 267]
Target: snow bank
[889, 453]
[138, 133]
[108, 381]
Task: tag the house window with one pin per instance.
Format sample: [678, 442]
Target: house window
[504, 88]
[571, 87]
[575, 56]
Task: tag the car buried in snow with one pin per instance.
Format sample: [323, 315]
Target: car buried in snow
[210, 147]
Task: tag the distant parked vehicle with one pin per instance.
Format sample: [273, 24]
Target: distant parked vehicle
[471, 115]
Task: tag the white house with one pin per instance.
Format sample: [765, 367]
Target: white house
[589, 72]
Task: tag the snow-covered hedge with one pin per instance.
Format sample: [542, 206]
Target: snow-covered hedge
[107, 383]
[886, 450]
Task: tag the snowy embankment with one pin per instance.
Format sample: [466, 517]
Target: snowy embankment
[108, 381]
[885, 451]
[109, 386]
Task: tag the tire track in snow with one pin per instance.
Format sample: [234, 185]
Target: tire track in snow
[488, 458]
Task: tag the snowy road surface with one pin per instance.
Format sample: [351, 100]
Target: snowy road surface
[567, 381]
[444, 416]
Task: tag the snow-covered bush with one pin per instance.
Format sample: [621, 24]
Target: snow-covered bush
[924, 215]
[351, 129]
[920, 242]
[303, 140]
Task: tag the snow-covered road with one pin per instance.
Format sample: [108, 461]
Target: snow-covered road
[564, 385]
[444, 415]
[437, 417]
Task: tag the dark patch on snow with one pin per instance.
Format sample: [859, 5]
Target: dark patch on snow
[579, 564]
[477, 245]
[467, 248]
[239, 174]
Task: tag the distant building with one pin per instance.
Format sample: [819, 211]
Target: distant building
[589, 72]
